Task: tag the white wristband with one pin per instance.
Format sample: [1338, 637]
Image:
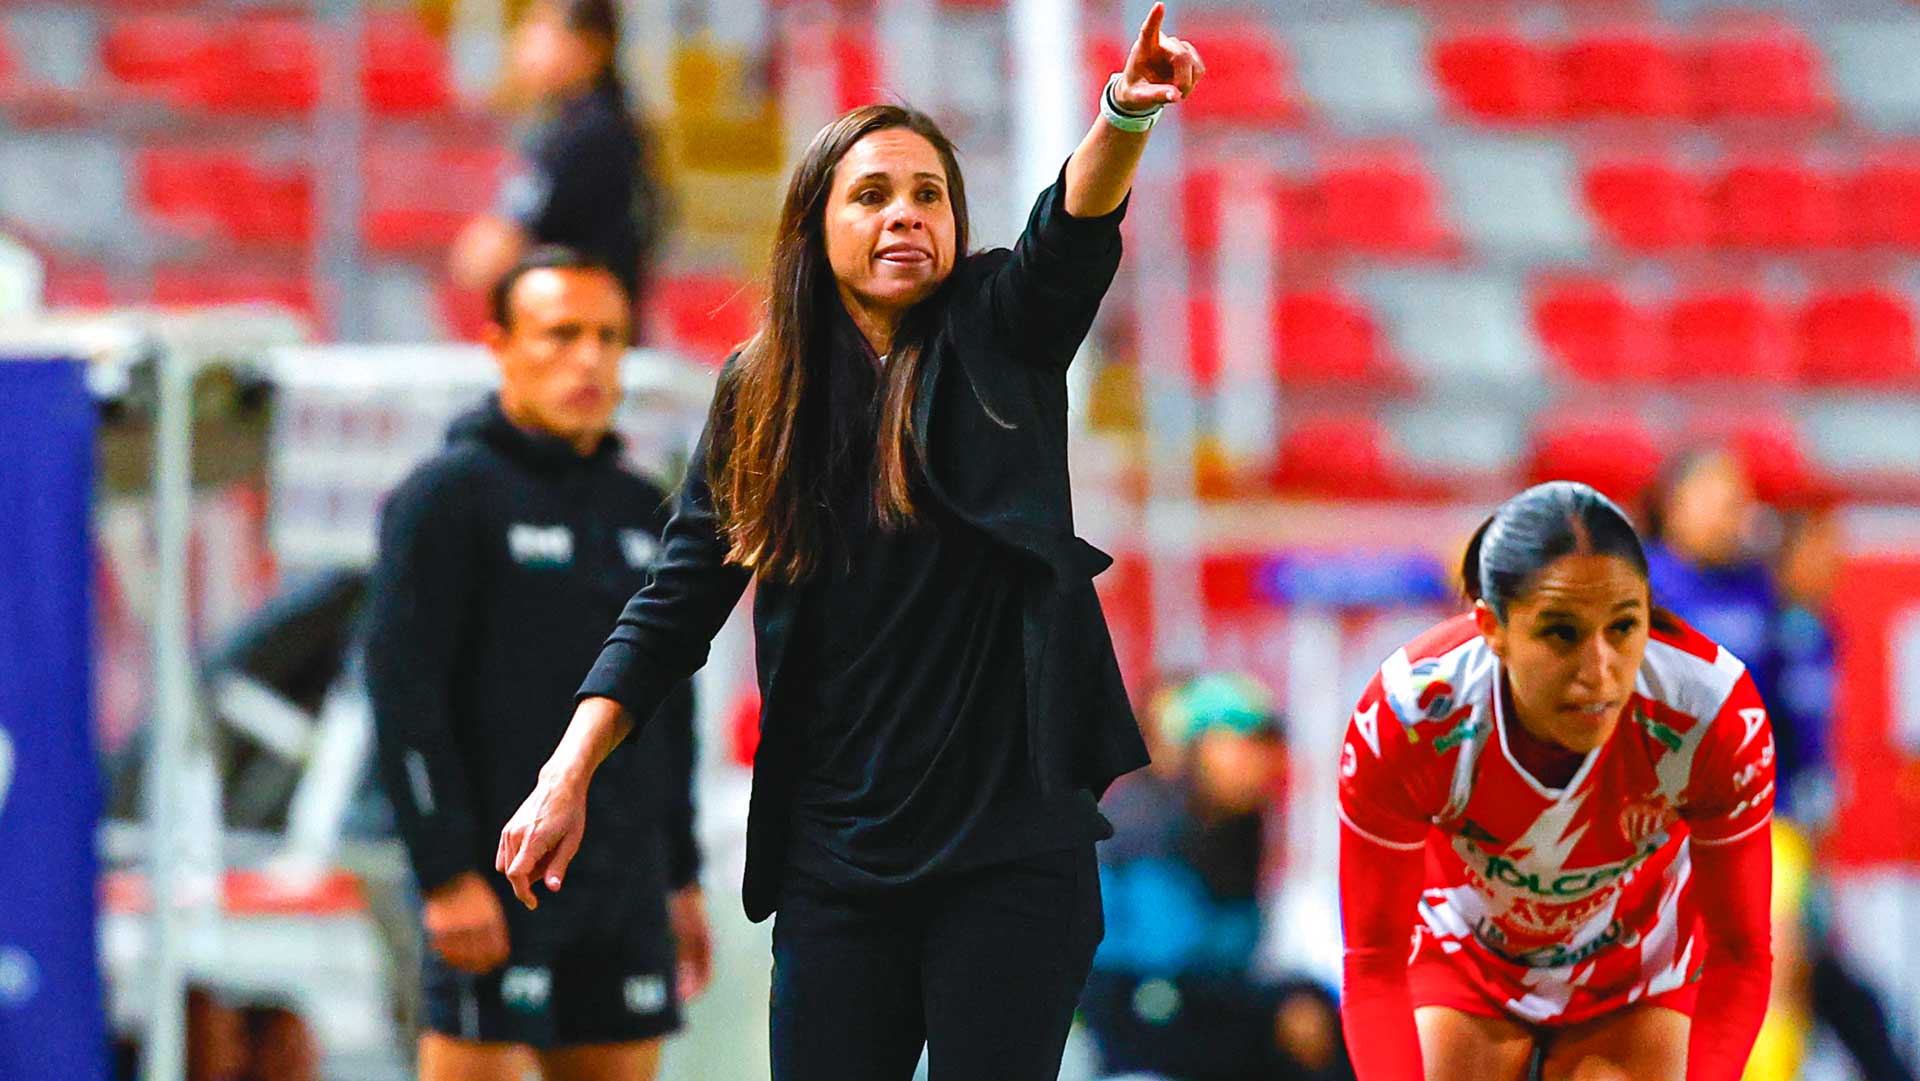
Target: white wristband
[1111, 112]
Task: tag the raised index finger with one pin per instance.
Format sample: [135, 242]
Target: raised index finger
[1150, 30]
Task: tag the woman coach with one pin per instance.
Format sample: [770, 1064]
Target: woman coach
[886, 459]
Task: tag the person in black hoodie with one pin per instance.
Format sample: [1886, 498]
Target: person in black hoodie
[585, 176]
[499, 560]
[886, 461]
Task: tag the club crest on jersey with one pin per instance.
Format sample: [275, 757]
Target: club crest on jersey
[1644, 820]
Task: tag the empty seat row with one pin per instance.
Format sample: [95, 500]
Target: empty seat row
[1346, 455]
[1385, 204]
[269, 65]
[1754, 70]
[1857, 336]
[1653, 204]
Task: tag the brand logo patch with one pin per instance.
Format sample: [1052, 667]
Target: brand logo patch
[639, 547]
[526, 989]
[646, 994]
[540, 544]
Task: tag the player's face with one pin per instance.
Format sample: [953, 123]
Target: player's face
[1572, 648]
[889, 225]
[560, 360]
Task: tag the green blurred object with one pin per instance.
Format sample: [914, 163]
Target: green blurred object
[1220, 700]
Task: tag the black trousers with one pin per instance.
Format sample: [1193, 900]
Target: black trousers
[981, 967]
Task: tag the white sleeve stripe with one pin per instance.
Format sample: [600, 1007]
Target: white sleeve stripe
[1397, 846]
[1711, 841]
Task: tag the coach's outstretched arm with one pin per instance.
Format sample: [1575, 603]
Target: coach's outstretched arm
[1161, 70]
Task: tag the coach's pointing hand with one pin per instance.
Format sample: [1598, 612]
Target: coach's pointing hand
[543, 836]
[1160, 70]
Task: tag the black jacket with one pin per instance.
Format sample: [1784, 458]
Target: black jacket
[991, 430]
[501, 561]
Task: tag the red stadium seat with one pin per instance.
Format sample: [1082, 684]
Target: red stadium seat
[1779, 205]
[1771, 452]
[1884, 200]
[208, 193]
[1321, 339]
[224, 283]
[1615, 453]
[1768, 71]
[1858, 337]
[1249, 80]
[1337, 457]
[857, 67]
[1729, 335]
[1626, 74]
[263, 66]
[1327, 339]
[1499, 77]
[1596, 333]
[405, 66]
[1648, 205]
[1384, 206]
[705, 317]
[1203, 191]
[418, 194]
[159, 55]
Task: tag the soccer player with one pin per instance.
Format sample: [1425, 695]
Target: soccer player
[500, 561]
[1563, 797]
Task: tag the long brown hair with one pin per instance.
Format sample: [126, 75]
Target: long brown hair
[767, 465]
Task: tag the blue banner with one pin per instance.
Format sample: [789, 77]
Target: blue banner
[1353, 579]
[52, 1017]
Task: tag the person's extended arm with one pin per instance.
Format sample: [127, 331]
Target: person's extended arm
[1161, 70]
[660, 640]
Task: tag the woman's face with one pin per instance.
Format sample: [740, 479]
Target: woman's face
[1708, 510]
[889, 222]
[1572, 647]
[550, 59]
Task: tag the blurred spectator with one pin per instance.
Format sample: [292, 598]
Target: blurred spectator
[1806, 566]
[1172, 991]
[1703, 568]
[1701, 515]
[586, 176]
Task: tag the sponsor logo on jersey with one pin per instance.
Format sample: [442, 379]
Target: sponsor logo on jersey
[639, 547]
[1567, 882]
[549, 545]
[526, 988]
[1557, 955]
[645, 994]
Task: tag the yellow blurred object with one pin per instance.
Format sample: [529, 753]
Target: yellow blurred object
[1782, 1043]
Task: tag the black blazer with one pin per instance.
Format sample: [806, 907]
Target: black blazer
[991, 432]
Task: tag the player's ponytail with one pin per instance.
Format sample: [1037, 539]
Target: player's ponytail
[1536, 527]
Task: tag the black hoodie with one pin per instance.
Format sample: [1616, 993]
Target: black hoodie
[503, 560]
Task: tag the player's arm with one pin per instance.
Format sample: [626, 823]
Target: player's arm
[419, 601]
[1729, 810]
[1382, 838]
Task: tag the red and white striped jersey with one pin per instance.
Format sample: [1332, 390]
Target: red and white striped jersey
[1560, 904]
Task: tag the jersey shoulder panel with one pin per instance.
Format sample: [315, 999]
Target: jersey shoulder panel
[1439, 680]
[1686, 671]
